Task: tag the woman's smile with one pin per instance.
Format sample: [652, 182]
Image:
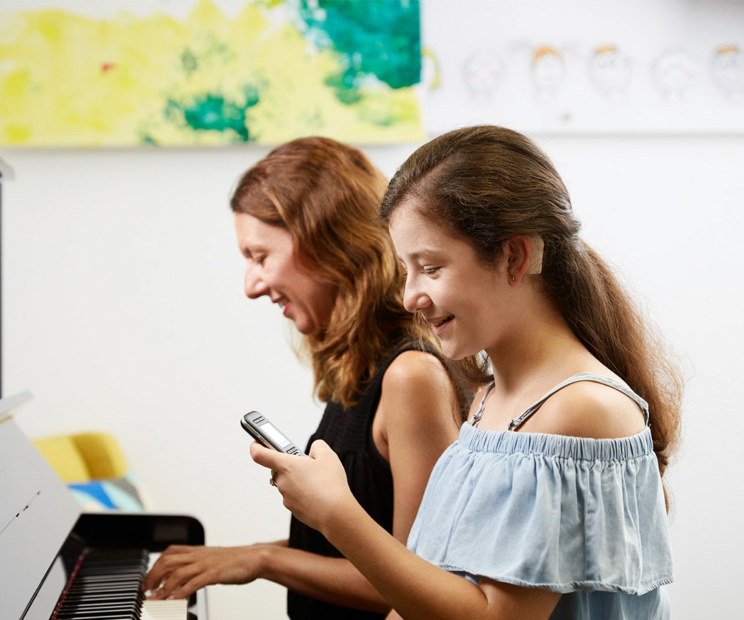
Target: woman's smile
[272, 269]
[438, 325]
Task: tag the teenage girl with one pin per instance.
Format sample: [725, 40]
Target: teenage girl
[550, 504]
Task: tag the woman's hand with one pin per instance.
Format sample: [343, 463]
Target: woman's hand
[315, 488]
[182, 570]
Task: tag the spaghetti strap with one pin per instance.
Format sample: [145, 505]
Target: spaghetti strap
[584, 376]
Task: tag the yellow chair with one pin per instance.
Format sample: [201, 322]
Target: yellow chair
[95, 470]
[83, 457]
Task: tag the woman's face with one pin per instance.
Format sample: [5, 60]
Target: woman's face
[272, 269]
[463, 300]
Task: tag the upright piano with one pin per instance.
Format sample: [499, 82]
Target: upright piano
[57, 563]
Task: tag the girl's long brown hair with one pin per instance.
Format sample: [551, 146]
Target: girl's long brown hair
[327, 195]
[485, 184]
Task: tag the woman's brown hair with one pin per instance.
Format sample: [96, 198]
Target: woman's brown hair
[485, 184]
[327, 195]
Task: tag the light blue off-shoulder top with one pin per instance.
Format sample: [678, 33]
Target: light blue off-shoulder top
[584, 517]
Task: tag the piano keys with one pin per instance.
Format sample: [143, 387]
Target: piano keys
[59, 564]
[106, 584]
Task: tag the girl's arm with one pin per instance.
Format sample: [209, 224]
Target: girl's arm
[414, 423]
[315, 490]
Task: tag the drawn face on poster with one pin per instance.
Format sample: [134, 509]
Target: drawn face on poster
[610, 70]
[548, 71]
[728, 71]
[483, 72]
[674, 71]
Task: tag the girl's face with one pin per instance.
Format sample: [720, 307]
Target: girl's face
[272, 269]
[463, 300]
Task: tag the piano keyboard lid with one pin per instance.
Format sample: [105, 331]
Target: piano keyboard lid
[37, 512]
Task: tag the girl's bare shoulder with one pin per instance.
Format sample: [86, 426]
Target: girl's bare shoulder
[588, 409]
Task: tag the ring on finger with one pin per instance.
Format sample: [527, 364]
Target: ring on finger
[272, 480]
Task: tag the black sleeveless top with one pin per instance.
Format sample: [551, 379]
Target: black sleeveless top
[349, 433]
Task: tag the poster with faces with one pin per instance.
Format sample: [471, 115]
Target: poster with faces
[583, 67]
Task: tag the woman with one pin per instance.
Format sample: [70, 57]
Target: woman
[550, 504]
[306, 222]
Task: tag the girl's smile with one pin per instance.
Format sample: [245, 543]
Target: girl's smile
[463, 300]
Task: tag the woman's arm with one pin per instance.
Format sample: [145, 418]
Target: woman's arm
[184, 569]
[315, 490]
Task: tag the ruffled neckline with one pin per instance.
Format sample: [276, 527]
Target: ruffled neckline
[556, 446]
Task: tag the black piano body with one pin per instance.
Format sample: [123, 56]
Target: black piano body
[46, 543]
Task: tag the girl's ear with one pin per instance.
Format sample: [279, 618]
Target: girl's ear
[517, 252]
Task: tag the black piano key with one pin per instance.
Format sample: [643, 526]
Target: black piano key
[101, 602]
[129, 585]
[108, 617]
[101, 570]
[102, 596]
[116, 615]
[120, 606]
[98, 569]
[101, 592]
[93, 610]
[101, 576]
[109, 578]
[82, 589]
[93, 585]
[100, 613]
[108, 592]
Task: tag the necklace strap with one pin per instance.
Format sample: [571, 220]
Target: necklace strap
[476, 418]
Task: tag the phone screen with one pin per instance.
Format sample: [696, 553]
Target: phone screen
[274, 433]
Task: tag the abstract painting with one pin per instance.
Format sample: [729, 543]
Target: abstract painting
[262, 71]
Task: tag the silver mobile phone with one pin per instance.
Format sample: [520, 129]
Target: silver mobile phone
[264, 432]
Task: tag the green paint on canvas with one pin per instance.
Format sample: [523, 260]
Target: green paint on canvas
[213, 112]
[379, 38]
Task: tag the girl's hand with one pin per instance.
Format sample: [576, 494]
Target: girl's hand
[315, 488]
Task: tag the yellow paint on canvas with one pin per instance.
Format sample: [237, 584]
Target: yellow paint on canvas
[70, 79]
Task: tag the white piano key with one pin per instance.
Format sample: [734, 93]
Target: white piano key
[164, 610]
